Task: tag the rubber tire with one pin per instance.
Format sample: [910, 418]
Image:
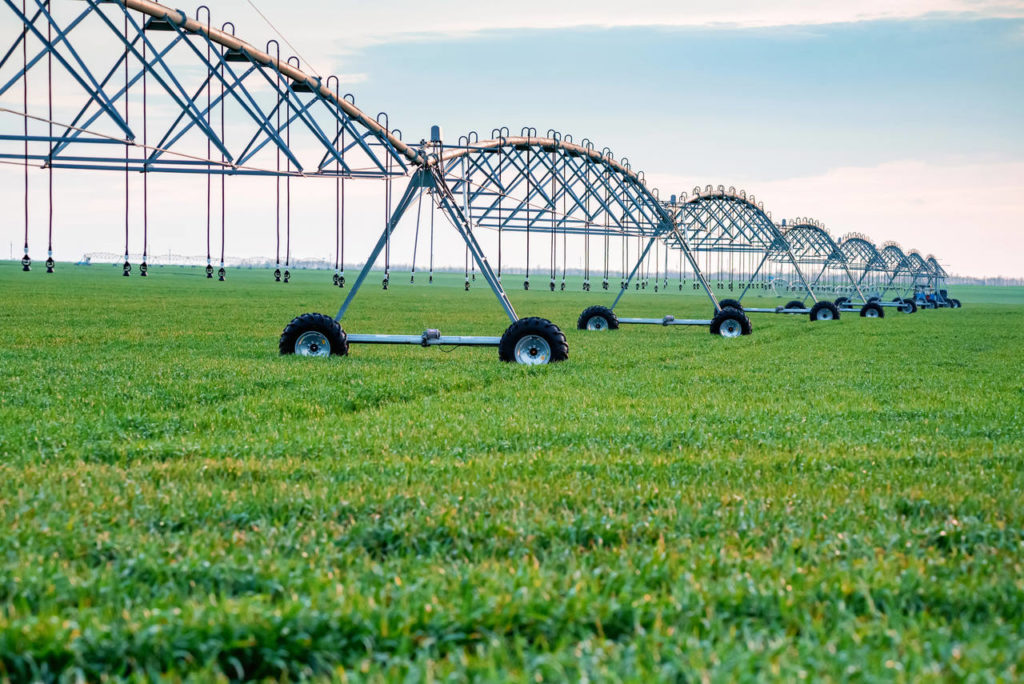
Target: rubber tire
[732, 303]
[874, 299]
[840, 301]
[822, 305]
[533, 326]
[911, 303]
[872, 306]
[729, 313]
[956, 303]
[794, 304]
[314, 321]
[603, 311]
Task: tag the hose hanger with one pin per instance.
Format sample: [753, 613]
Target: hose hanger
[227, 27]
[387, 205]
[144, 267]
[126, 269]
[277, 176]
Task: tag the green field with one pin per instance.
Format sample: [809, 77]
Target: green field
[835, 500]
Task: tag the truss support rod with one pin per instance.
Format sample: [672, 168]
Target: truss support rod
[462, 224]
[856, 283]
[863, 275]
[699, 274]
[814, 282]
[800, 275]
[889, 285]
[415, 186]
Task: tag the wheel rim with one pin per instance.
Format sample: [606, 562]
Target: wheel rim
[533, 350]
[825, 315]
[597, 323]
[730, 328]
[871, 313]
[312, 343]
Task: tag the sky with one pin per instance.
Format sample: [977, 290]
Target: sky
[902, 120]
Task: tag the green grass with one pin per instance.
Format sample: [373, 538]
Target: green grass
[837, 500]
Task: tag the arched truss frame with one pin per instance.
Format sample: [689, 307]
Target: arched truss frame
[935, 267]
[197, 71]
[862, 256]
[898, 268]
[552, 184]
[812, 245]
[861, 253]
[536, 184]
[926, 273]
[893, 255]
[897, 263]
[937, 276]
[548, 184]
[721, 220]
[918, 265]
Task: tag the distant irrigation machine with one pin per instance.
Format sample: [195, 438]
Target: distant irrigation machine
[815, 247]
[743, 250]
[158, 91]
[551, 189]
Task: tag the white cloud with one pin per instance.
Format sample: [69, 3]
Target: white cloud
[347, 26]
[969, 215]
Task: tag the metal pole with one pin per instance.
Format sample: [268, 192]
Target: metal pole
[465, 228]
[800, 275]
[856, 285]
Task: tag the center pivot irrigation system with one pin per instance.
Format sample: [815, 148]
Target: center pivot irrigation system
[132, 87]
